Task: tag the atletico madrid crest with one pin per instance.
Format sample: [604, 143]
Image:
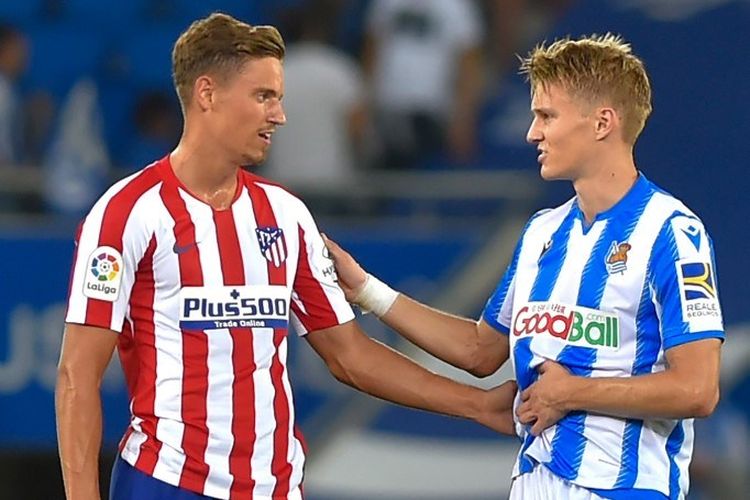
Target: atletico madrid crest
[272, 244]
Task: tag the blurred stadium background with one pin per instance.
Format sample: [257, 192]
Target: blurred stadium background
[85, 97]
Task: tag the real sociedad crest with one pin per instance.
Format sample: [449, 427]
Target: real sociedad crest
[272, 244]
[617, 258]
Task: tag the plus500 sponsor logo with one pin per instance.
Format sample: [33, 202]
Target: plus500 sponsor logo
[573, 324]
[234, 307]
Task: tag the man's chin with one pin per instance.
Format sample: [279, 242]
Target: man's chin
[548, 174]
[253, 160]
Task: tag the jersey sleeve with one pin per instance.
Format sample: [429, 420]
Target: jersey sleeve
[317, 300]
[109, 244]
[683, 279]
[499, 308]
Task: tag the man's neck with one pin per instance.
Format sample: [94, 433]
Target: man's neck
[600, 191]
[206, 174]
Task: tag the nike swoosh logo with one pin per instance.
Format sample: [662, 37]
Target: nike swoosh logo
[180, 249]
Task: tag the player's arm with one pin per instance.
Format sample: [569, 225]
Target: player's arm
[687, 388]
[369, 366]
[86, 352]
[471, 345]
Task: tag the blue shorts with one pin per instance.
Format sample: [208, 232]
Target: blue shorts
[128, 483]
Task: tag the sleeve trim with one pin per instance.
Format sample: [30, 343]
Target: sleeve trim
[686, 338]
[496, 324]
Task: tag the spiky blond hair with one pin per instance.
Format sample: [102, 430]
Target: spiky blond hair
[597, 69]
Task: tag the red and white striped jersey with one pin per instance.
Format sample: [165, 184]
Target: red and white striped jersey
[202, 300]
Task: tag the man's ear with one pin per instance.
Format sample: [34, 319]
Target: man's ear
[606, 121]
[203, 92]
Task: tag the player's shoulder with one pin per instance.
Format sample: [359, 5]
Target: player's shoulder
[125, 192]
[673, 212]
[549, 216]
[272, 188]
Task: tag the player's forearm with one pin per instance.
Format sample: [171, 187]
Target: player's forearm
[450, 338]
[381, 372]
[79, 432]
[658, 395]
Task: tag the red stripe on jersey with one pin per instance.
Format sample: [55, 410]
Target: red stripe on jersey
[119, 207]
[138, 357]
[318, 312]
[243, 362]
[194, 347]
[280, 466]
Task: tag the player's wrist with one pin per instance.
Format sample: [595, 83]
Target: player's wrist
[375, 296]
[571, 393]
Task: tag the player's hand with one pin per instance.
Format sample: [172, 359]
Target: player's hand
[543, 403]
[351, 275]
[497, 408]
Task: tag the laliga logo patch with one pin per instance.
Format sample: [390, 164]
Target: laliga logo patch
[617, 258]
[104, 274]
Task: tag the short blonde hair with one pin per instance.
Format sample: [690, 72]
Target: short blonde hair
[219, 44]
[595, 68]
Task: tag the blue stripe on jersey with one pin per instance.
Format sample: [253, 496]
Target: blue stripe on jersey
[629, 494]
[665, 249]
[674, 443]
[569, 442]
[526, 464]
[547, 275]
[525, 376]
[495, 303]
[629, 457]
[541, 291]
[646, 353]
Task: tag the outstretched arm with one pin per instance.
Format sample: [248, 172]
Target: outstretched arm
[86, 352]
[689, 387]
[471, 345]
[365, 364]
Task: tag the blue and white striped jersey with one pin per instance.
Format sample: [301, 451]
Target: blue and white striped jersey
[607, 300]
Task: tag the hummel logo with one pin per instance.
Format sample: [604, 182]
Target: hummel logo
[181, 249]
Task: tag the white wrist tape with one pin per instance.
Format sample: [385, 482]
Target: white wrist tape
[375, 296]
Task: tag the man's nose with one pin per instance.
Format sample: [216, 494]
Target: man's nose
[277, 115]
[533, 135]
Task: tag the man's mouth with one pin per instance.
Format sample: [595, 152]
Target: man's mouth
[266, 136]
